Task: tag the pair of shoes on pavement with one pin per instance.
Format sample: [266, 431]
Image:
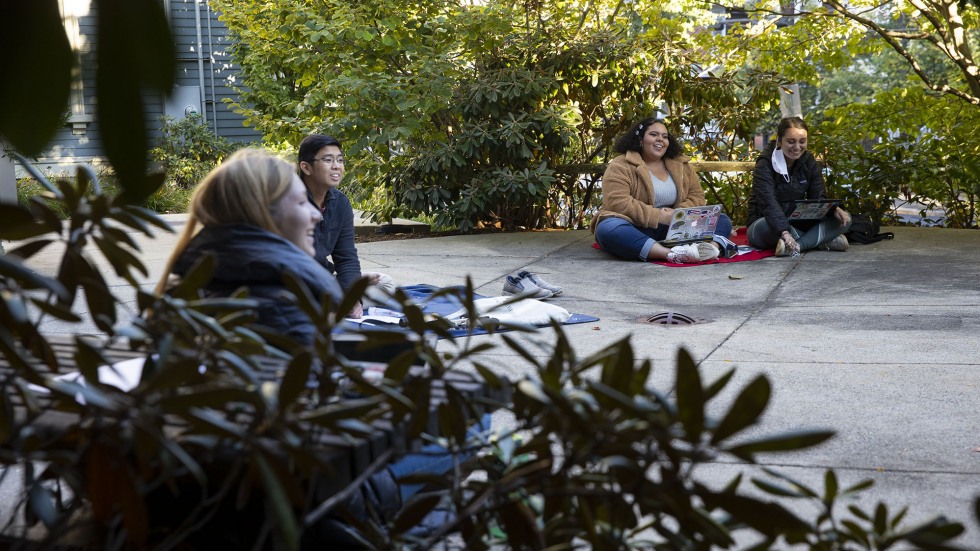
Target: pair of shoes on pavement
[524, 283]
[838, 243]
[693, 253]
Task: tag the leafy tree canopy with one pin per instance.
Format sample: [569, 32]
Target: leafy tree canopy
[892, 90]
[467, 112]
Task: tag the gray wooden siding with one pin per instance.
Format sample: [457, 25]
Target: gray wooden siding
[68, 147]
[71, 146]
[217, 64]
[227, 75]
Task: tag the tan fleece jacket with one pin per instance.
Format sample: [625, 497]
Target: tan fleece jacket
[627, 190]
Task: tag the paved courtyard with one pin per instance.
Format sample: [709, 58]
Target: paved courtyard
[879, 343]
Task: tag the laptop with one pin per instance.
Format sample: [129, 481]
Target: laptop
[691, 225]
[811, 209]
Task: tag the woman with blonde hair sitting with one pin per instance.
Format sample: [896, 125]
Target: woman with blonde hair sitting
[252, 214]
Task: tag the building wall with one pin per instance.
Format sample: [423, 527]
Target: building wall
[204, 71]
[219, 72]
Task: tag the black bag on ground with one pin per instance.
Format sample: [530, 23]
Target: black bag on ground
[865, 230]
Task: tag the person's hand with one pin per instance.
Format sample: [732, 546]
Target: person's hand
[666, 215]
[791, 243]
[842, 216]
[357, 312]
[373, 277]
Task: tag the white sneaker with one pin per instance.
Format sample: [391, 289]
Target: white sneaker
[524, 287]
[838, 243]
[535, 279]
[693, 253]
[781, 249]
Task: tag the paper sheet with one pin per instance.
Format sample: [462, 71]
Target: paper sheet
[124, 375]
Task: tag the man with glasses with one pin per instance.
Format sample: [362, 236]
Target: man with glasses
[321, 167]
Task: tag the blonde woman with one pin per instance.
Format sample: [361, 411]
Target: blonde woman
[253, 215]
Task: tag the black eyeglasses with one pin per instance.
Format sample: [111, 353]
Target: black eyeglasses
[330, 159]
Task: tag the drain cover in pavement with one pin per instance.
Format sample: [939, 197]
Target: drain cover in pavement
[669, 318]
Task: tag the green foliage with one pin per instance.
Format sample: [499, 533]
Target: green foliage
[29, 188]
[797, 48]
[936, 39]
[598, 458]
[474, 114]
[605, 461]
[96, 220]
[37, 40]
[864, 70]
[188, 150]
[929, 159]
[135, 54]
[168, 199]
[719, 116]
[205, 388]
[860, 529]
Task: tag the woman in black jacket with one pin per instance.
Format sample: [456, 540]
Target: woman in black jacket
[784, 173]
[252, 214]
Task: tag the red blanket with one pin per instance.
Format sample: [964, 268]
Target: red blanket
[739, 239]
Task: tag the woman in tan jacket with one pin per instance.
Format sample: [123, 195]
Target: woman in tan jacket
[640, 190]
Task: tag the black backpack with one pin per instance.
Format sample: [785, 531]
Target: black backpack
[864, 230]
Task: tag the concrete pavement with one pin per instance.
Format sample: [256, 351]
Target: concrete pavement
[879, 343]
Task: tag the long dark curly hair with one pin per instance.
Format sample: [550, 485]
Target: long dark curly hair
[633, 138]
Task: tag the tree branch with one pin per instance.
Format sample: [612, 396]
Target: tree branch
[966, 65]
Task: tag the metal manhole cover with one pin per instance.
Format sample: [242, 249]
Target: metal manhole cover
[668, 318]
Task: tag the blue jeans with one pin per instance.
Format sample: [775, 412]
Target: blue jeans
[626, 240]
[809, 235]
[432, 460]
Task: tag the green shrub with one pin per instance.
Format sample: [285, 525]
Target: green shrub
[168, 199]
[189, 150]
[28, 188]
[878, 154]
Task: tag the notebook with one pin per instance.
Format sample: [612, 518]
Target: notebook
[692, 224]
[815, 209]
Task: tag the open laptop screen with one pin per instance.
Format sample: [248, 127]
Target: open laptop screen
[816, 209]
